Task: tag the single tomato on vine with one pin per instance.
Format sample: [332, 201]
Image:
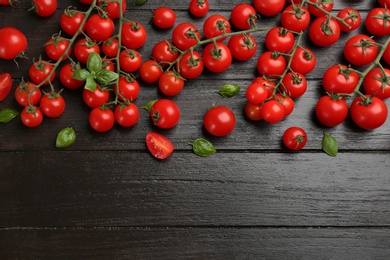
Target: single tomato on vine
[253, 111]
[164, 52]
[273, 111]
[99, 28]
[133, 35]
[150, 71]
[31, 116]
[216, 25]
[377, 81]
[41, 71]
[287, 102]
[269, 7]
[71, 20]
[13, 43]
[242, 46]
[101, 120]
[191, 65]
[110, 47]
[243, 16]
[126, 115]
[66, 76]
[294, 84]
[128, 88]
[271, 64]
[368, 112]
[83, 48]
[256, 93]
[170, 83]
[340, 79]
[199, 8]
[56, 47]
[324, 32]
[26, 93]
[303, 61]
[96, 98]
[52, 105]
[185, 35]
[112, 8]
[351, 17]
[378, 21]
[279, 39]
[360, 50]
[331, 110]
[130, 60]
[44, 8]
[327, 5]
[295, 18]
[217, 57]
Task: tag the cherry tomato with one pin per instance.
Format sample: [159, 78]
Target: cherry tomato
[324, 4]
[112, 8]
[303, 61]
[287, 102]
[158, 145]
[256, 93]
[331, 111]
[99, 28]
[110, 47]
[71, 20]
[133, 35]
[165, 113]
[271, 64]
[95, 98]
[44, 8]
[128, 88]
[56, 47]
[31, 116]
[13, 43]
[272, 111]
[101, 120]
[84, 48]
[185, 35]
[170, 83]
[108, 64]
[164, 17]
[351, 17]
[279, 39]
[39, 72]
[377, 81]
[66, 76]
[219, 121]
[294, 138]
[294, 84]
[5, 85]
[52, 105]
[191, 65]
[126, 115]
[150, 71]
[215, 25]
[378, 22]
[269, 7]
[340, 79]
[267, 83]
[217, 57]
[324, 32]
[368, 113]
[23, 96]
[360, 50]
[164, 52]
[295, 18]
[242, 46]
[130, 60]
[199, 8]
[243, 16]
[253, 112]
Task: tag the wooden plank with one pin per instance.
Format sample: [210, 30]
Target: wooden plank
[40, 189]
[195, 243]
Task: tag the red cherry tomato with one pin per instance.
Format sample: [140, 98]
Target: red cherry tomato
[99, 28]
[191, 65]
[279, 39]
[351, 17]
[52, 105]
[377, 21]
[219, 121]
[199, 8]
[165, 113]
[331, 111]
[377, 81]
[294, 84]
[217, 57]
[164, 52]
[71, 20]
[44, 8]
[303, 61]
[66, 76]
[41, 72]
[164, 17]
[31, 116]
[253, 112]
[271, 64]
[128, 87]
[294, 138]
[243, 16]
[130, 60]
[185, 35]
[95, 98]
[56, 47]
[133, 35]
[170, 83]
[84, 48]
[324, 32]
[5, 85]
[368, 113]
[101, 120]
[112, 8]
[13, 43]
[27, 93]
[360, 50]
[150, 71]
[295, 18]
[242, 46]
[340, 79]
[215, 25]
[273, 111]
[126, 115]
[269, 7]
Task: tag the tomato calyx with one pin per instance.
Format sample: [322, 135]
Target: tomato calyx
[192, 34]
[53, 94]
[201, 3]
[299, 139]
[296, 78]
[297, 11]
[385, 17]
[71, 11]
[366, 100]
[364, 44]
[275, 54]
[345, 71]
[383, 79]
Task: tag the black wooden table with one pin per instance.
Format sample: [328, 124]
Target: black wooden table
[107, 197]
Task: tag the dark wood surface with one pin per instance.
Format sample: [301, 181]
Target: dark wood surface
[105, 197]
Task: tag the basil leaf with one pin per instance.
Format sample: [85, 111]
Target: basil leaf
[80, 74]
[65, 137]
[202, 147]
[94, 63]
[229, 90]
[7, 114]
[329, 145]
[139, 2]
[149, 105]
[90, 83]
[106, 76]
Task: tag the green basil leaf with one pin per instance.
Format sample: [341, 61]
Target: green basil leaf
[65, 137]
[106, 76]
[149, 105]
[329, 145]
[80, 74]
[202, 147]
[139, 2]
[229, 90]
[7, 114]
[94, 63]
[90, 84]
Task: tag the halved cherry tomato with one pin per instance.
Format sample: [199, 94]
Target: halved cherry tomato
[5, 85]
[158, 145]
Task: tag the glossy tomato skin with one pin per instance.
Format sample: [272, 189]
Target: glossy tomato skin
[126, 115]
[323, 32]
[101, 120]
[150, 71]
[256, 93]
[368, 116]
[83, 48]
[271, 64]
[112, 8]
[164, 17]
[287, 102]
[328, 6]
[331, 112]
[165, 113]
[5, 85]
[377, 82]
[340, 79]
[191, 65]
[95, 98]
[56, 47]
[31, 116]
[267, 83]
[243, 16]
[130, 60]
[269, 7]
[199, 8]
[295, 18]
[215, 25]
[66, 76]
[71, 20]
[40, 70]
[158, 145]
[303, 61]
[253, 111]
[110, 47]
[273, 111]
[23, 90]
[242, 46]
[133, 35]
[13, 43]
[52, 105]
[217, 57]
[294, 138]
[219, 121]
[279, 39]
[170, 83]
[376, 23]
[44, 8]
[128, 87]
[294, 84]
[360, 50]
[164, 52]
[180, 37]
[352, 17]
[99, 28]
